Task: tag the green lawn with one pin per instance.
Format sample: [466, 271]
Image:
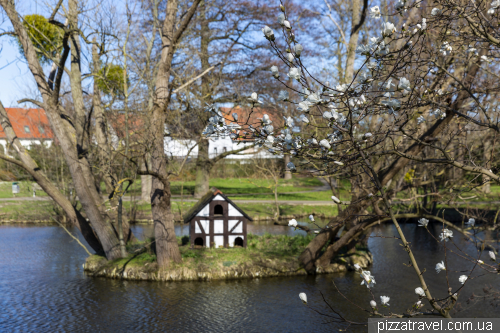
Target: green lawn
[249, 185]
[25, 190]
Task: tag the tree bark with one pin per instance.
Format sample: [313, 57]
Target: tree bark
[288, 173]
[167, 248]
[66, 135]
[203, 167]
[74, 217]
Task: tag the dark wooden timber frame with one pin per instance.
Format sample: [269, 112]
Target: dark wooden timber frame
[208, 199]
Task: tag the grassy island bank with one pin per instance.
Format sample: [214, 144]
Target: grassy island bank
[265, 256]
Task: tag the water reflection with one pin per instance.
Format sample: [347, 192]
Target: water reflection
[43, 289]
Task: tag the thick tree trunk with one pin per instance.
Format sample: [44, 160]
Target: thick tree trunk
[74, 217]
[203, 167]
[288, 173]
[166, 243]
[167, 248]
[66, 135]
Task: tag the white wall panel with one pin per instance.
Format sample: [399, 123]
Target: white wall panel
[233, 211]
[218, 226]
[205, 212]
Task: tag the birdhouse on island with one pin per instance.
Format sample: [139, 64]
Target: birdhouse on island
[215, 221]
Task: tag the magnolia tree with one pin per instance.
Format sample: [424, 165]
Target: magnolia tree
[425, 79]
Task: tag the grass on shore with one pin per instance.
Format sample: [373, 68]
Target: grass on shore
[266, 246]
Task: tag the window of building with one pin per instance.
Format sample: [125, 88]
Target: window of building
[26, 129]
[41, 129]
[215, 150]
[224, 150]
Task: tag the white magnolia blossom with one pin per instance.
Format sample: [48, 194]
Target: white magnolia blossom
[492, 255]
[435, 11]
[494, 5]
[446, 234]
[255, 98]
[274, 70]
[268, 32]
[289, 57]
[338, 163]
[324, 143]
[400, 5]
[294, 73]
[266, 120]
[270, 139]
[404, 84]
[287, 25]
[423, 222]
[370, 195]
[424, 23]
[331, 115]
[472, 49]
[373, 304]
[314, 98]
[284, 95]
[440, 267]
[485, 58]
[357, 267]
[281, 19]
[385, 300]
[446, 48]
[312, 141]
[375, 12]
[235, 116]
[419, 291]
[388, 29]
[438, 113]
[471, 222]
[291, 166]
[368, 279]
[311, 218]
[334, 198]
[292, 223]
[298, 49]
[480, 262]
[462, 279]
[420, 120]
[304, 119]
[303, 297]
[289, 121]
[304, 106]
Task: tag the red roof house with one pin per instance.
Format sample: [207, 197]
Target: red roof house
[29, 124]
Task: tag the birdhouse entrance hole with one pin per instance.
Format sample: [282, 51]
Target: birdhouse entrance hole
[198, 242]
[218, 210]
[238, 241]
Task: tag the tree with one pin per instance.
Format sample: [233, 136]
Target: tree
[416, 88]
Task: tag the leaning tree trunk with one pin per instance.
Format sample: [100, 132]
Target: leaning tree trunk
[309, 257]
[64, 131]
[74, 217]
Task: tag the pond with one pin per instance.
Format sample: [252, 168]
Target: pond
[43, 289]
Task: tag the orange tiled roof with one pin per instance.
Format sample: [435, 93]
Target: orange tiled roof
[252, 117]
[29, 124]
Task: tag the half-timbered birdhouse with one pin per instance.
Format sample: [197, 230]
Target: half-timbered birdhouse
[215, 221]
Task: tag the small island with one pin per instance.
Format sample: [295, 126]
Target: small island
[265, 256]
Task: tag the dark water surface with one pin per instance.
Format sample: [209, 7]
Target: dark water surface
[43, 289]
